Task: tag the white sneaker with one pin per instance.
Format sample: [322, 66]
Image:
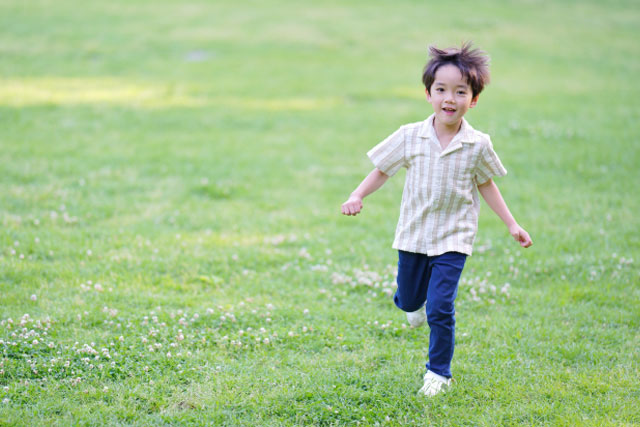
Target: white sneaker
[417, 318]
[434, 384]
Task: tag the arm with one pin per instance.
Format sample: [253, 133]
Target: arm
[371, 183]
[491, 194]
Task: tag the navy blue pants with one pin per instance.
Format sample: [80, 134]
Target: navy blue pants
[434, 280]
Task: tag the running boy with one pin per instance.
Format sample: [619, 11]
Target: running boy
[448, 163]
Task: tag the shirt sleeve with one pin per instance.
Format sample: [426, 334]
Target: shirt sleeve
[388, 156]
[489, 164]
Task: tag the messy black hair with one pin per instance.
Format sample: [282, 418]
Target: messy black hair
[472, 63]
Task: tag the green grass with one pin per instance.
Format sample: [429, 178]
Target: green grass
[171, 182]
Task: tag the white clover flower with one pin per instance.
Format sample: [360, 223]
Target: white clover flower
[34, 297]
[304, 253]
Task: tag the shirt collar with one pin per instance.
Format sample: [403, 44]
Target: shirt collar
[465, 134]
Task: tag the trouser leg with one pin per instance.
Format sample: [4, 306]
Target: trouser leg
[413, 279]
[442, 290]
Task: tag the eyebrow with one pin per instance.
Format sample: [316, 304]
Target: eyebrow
[443, 84]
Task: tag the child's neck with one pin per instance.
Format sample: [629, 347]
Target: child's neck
[446, 133]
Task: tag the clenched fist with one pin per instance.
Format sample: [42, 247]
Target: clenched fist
[353, 206]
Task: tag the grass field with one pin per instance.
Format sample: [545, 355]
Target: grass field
[171, 248]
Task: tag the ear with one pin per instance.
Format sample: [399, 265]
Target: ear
[428, 95]
[474, 101]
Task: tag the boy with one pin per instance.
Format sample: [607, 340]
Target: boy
[448, 163]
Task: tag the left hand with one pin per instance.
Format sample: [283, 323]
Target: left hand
[520, 235]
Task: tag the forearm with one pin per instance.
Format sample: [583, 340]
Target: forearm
[371, 183]
[491, 194]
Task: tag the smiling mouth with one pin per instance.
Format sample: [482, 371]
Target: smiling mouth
[450, 110]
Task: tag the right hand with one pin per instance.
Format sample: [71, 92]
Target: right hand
[353, 206]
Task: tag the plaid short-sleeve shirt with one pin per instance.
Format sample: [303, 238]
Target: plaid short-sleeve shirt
[440, 205]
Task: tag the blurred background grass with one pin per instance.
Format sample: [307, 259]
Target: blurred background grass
[176, 140]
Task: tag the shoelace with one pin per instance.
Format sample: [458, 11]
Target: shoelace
[431, 383]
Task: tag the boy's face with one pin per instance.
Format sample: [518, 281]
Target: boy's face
[450, 95]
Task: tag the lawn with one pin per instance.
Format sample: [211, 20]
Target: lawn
[171, 245]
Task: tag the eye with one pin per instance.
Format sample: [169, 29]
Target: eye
[439, 89]
[462, 92]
